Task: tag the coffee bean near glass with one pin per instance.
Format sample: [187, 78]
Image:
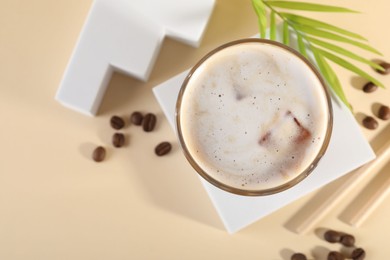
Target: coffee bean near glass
[254, 117]
[149, 122]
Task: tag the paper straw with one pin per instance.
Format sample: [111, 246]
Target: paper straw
[314, 211]
[357, 217]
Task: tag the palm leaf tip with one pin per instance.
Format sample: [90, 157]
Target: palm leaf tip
[298, 19]
[350, 66]
[378, 67]
[304, 6]
[332, 36]
[343, 51]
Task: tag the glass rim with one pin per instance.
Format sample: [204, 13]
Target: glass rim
[250, 192]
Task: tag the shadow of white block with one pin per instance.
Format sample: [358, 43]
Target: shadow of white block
[126, 35]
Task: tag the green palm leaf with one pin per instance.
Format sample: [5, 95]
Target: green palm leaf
[309, 32]
[324, 34]
[331, 77]
[259, 7]
[272, 27]
[308, 6]
[344, 52]
[301, 45]
[349, 66]
[298, 19]
[286, 34]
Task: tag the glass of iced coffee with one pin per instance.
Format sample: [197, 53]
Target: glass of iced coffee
[254, 117]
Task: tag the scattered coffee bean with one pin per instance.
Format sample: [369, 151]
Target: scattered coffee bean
[298, 256]
[117, 122]
[384, 112]
[347, 251]
[149, 122]
[370, 87]
[370, 122]
[358, 254]
[386, 66]
[347, 240]
[332, 236]
[118, 139]
[334, 255]
[163, 148]
[99, 154]
[136, 118]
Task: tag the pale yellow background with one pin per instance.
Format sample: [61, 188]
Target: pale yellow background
[56, 203]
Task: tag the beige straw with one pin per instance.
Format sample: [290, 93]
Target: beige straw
[316, 209]
[358, 216]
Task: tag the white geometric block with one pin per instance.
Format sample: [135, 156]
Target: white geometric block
[126, 35]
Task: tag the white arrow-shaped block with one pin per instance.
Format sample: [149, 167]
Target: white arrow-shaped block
[126, 35]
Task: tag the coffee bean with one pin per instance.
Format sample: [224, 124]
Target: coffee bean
[118, 139]
[334, 255]
[163, 148]
[386, 66]
[136, 118]
[117, 122]
[298, 256]
[358, 254]
[370, 123]
[99, 154]
[347, 240]
[384, 112]
[332, 236]
[370, 87]
[149, 122]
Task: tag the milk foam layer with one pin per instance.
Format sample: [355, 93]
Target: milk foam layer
[254, 116]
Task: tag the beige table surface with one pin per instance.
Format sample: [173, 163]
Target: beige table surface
[56, 203]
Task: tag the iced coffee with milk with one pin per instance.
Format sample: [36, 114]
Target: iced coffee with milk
[254, 117]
